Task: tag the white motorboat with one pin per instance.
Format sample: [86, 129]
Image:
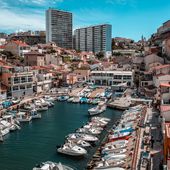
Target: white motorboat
[117, 144]
[88, 126]
[102, 122]
[70, 99]
[4, 130]
[76, 100]
[23, 117]
[71, 149]
[113, 148]
[101, 107]
[51, 166]
[100, 118]
[35, 115]
[8, 122]
[80, 143]
[92, 131]
[49, 98]
[116, 152]
[85, 137]
[41, 108]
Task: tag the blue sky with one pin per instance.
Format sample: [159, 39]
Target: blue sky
[129, 18]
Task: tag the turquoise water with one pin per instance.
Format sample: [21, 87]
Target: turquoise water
[36, 141]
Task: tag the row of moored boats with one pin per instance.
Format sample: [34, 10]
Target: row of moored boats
[76, 144]
[11, 120]
[118, 150]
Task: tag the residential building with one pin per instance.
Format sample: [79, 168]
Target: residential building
[108, 78]
[17, 48]
[34, 58]
[53, 59]
[42, 80]
[150, 59]
[3, 92]
[18, 80]
[166, 144]
[85, 74]
[94, 38]
[59, 28]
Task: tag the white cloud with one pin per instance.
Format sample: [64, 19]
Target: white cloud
[13, 21]
[40, 2]
[122, 2]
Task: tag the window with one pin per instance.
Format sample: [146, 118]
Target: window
[117, 77]
[15, 88]
[16, 80]
[22, 87]
[30, 79]
[125, 77]
[29, 86]
[23, 79]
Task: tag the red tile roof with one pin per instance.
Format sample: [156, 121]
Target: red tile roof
[165, 108]
[162, 66]
[164, 85]
[2, 46]
[20, 43]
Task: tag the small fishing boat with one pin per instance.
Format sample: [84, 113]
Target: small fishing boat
[123, 130]
[101, 107]
[117, 151]
[85, 137]
[119, 136]
[106, 165]
[115, 157]
[51, 166]
[71, 149]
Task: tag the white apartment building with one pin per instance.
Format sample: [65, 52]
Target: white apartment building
[94, 38]
[108, 78]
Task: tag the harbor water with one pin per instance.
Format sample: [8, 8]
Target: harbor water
[36, 141]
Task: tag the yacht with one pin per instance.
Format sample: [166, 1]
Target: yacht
[85, 137]
[72, 149]
[23, 117]
[51, 166]
[80, 143]
[101, 107]
[92, 131]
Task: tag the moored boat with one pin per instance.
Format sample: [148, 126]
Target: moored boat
[51, 166]
[101, 107]
[72, 149]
